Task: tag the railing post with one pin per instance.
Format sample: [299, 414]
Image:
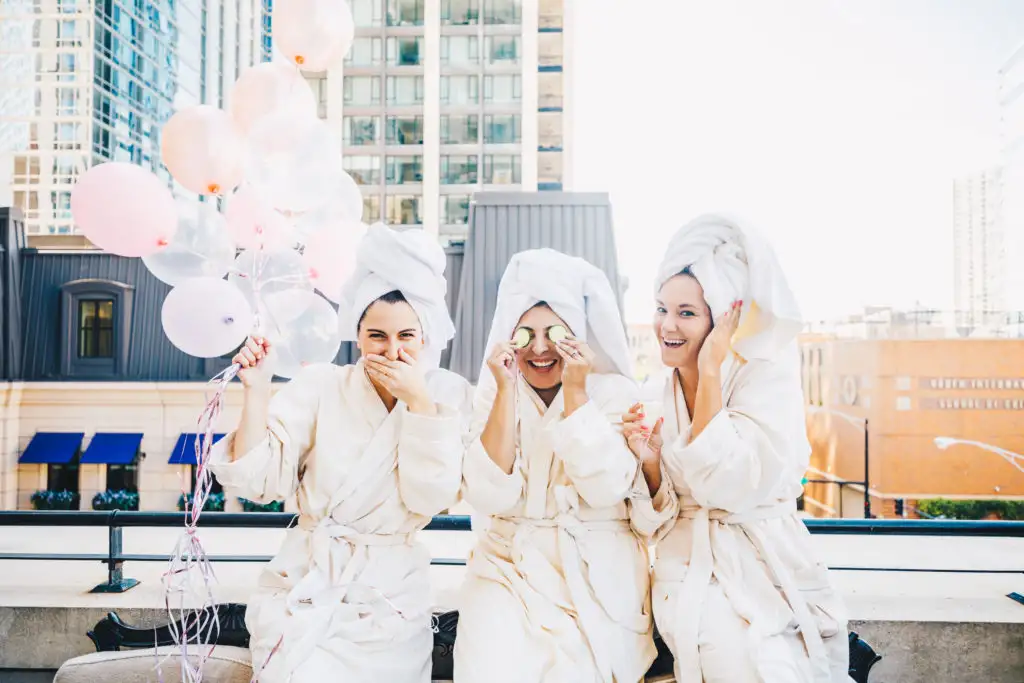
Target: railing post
[116, 583]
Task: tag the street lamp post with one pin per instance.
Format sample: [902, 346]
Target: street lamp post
[860, 422]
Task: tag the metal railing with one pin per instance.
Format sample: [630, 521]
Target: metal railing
[116, 521]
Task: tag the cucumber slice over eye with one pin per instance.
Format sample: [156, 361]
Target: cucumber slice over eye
[557, 333]
[521, 339]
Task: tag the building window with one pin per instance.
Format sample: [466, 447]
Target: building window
[405, 12]
[362, 91]
[215, 486]
[507, 88]
[95, 327]
[503, 50]
[371, 209]
[458, 170]
[460, 12]
[63, 477]
[404, 210]
[405, 130]
[406, 169]
[405, 90]
[365, 52]
[460, 50]
[364, 169]
[503, 11]
[361, 130]
[460, 89]
[455, 209]
[367, 13]
[502, 169]
[460, 130]
[405, 51]
[502, 129]
[123, 477]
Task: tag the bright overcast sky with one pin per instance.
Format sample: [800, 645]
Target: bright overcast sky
[836, 125]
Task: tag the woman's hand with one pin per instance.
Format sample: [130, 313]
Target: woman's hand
[718, 343]
[645, 442]
[255, 360]
[404, 379]
[502, 364]
[577, 363]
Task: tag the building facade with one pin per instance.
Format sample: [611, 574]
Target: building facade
[979, 253]
[889, 400]
[438, 100]
[1011, 107]
[86, 81]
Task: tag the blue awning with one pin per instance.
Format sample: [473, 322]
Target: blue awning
[52, 448]
[112, 449]
[184, 452]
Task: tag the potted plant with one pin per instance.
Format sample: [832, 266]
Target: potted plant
[55, 500]
[116, 500]
[214, 502]
[272, 506]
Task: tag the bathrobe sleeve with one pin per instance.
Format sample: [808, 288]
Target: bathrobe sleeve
[488, 489]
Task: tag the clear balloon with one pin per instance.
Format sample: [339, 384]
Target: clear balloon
[206, 317]
[344, 206]
[330, 255]
[258, 274]
[200, 248]
[254, 224]
[303, 329]
[124, 209]
[267, 88]
[203, 150]
[313, 34]
[294, 161]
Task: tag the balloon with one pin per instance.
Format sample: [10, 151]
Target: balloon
[330, 255]
[258, 274]
[124, 209]
[206, 317]
[203, 150]
[200, 248]
[266, 88]
[302, 328]
[313, 34]
[253, 224]
[345, 206]
[294, 161]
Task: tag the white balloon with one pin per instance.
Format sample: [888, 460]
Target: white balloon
[344, 207]
[302, 328]
[206, 317]
[257, 274]
[201, 247]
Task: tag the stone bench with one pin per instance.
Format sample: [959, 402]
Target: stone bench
[126, 654]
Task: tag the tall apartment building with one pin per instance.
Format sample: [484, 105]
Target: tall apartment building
[1011, 107]
[979, 287]
[441, 98]
[85, 81]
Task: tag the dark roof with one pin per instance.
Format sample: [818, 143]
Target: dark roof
[503, 223]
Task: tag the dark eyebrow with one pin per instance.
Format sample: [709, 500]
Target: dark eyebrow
[408, 329]
[688, 306]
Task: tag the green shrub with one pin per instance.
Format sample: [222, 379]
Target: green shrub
[972, 509]
[214, 502]
[272, 506]
[55, 500]
[116, 500]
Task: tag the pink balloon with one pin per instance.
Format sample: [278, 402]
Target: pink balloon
[124, 209]
[266, 88]
[330, 255]
[202, 148]
[253, 223]
[313, 34]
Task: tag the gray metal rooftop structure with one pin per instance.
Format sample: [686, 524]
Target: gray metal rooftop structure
[503, 223]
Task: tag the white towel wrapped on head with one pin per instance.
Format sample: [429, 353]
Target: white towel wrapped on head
[732, 262]
[411, 262]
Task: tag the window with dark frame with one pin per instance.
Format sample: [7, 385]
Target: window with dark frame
[123, 477]
[62, 477]
[215, 486]
[95, 328]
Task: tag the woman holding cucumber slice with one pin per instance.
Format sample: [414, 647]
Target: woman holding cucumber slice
[557, 589]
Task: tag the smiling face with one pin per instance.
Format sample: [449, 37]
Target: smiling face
[390, 324]
[538, 361]
[682, 321]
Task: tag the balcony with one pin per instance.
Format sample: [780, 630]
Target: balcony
[930, 597]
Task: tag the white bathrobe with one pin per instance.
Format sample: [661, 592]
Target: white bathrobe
[557, 589]
[348, 595]
[738, 594]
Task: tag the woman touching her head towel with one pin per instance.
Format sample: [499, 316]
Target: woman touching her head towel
[738, 595]
[557, 589]
[372, 451]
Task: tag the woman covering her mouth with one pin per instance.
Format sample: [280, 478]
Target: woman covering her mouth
[557, 589]
[738, 594]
